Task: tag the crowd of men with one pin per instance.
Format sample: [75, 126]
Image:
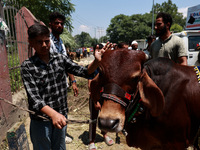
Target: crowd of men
[83, 52]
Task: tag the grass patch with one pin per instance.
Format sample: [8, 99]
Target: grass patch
[14, 68]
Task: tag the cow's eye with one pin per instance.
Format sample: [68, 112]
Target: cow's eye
[136, 79]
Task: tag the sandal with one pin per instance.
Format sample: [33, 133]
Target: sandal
[108, 141]
[92, 146]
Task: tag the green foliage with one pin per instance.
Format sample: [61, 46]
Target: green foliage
[68, 39]
[120, 29]
[172, 9]
[83, 40]
[42, 8]
[127, 28]
[137, 26]
[14, 68]
[141, 26]
[94, 41]
[176, 28]
[103, 39]
[15, 77]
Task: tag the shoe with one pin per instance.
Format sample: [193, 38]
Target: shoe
[92, 146]
[68, 139]
[108, 141]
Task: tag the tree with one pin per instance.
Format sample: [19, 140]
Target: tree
[137, 26]
[103, 39]
[68, 39]
[94, 41]
[83, 40]
[172, 9]
[176, 28]
[141, 26]
[42, 8]
[127, 28]
[120, 29]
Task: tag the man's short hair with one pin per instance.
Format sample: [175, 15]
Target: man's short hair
[38, 30]
[121, 44]
[151, 37]
[55, 15]
[166, 17]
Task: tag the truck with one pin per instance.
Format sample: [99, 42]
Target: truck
[191, 35]
[191, 40]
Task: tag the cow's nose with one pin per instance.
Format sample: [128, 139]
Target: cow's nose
[108, 125]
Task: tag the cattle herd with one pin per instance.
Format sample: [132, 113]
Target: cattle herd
[74, 56]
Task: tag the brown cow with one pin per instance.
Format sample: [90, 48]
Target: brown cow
[72, 55]
[170, 100]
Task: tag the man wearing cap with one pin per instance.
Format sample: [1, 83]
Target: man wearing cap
[134, 45]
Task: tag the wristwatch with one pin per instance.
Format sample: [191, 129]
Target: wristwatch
[74, 81]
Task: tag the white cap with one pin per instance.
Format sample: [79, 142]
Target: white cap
[103, 44]
[134, 42]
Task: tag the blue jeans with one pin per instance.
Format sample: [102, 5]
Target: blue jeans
[45, 136]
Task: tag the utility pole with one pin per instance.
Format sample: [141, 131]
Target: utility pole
[152, 18]
[95, 32]
[100, 30]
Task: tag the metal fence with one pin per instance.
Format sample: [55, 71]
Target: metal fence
[16, 40]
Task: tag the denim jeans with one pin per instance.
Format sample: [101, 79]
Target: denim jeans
[45, 136]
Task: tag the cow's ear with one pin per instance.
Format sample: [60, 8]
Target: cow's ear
[151, 95]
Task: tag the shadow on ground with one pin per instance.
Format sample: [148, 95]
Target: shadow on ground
[85, 136]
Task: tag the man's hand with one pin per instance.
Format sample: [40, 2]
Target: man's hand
[98, 55]
[97, 105]
[182, 60]
[58, 120]
[99, 52]
[75, 88]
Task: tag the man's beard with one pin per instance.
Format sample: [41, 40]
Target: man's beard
[58, 32]
[162, 31]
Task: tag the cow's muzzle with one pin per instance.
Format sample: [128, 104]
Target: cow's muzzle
[108, 125]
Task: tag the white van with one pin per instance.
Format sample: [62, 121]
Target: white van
[191, 39]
